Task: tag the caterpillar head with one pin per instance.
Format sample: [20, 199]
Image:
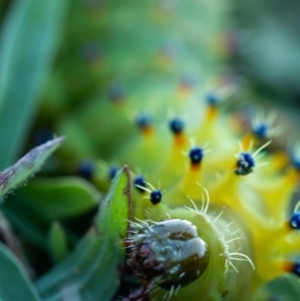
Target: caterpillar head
[169, 252]
[177, 250]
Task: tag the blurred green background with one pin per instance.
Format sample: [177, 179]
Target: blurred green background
[51, 59]
[269, 43]
[265, 42]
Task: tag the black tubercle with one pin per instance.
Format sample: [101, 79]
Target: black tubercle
[294, 221]
[143, 120]
[196, 155]
[86, 169]
[176, 126]
[296, 269]
[139, 182]
[261, 130]
[245, 164]
[112, 172]
[295, 159]
[212, 99]
[155, 196]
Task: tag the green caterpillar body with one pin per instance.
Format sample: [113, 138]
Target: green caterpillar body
[163, 81]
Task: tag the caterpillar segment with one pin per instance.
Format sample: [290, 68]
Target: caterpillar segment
[246, 223]
[232, 209]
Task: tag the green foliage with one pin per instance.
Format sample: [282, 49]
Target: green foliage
[12, 271]
[15, 283]
[27, 48]
[62, 197]
[34, 208]
[58, 243]
[13, 176]
[92, 272]
[29, 39]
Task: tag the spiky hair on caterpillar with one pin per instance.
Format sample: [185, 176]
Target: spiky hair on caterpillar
[228, 197]
[239, 184]
[171, 257]
[228, 229]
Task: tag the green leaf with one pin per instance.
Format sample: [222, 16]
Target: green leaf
[92, 271]
[58, 242]
[15, 284]
[60, 198]
[33, 208]
[114, 209]
[29, 41]
[27, 166]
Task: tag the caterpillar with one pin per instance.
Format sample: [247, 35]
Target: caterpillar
[211, 219]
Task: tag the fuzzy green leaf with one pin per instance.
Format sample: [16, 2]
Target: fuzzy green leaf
[15, 284]
[27, 166]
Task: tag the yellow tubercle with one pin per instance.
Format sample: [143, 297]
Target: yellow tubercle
[275, 194]
[211, 113]
[170, 171]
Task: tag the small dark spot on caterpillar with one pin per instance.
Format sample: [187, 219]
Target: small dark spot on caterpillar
[176, 126]
[245, 164]
[196, 154]
[139, 182]
[212, 99]
[112, 172]
[155, 196]
[86, 169]
[261, 130]
[296, 269]
[116, 92]
[295, 158]
[143, 121]
[294, 221]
